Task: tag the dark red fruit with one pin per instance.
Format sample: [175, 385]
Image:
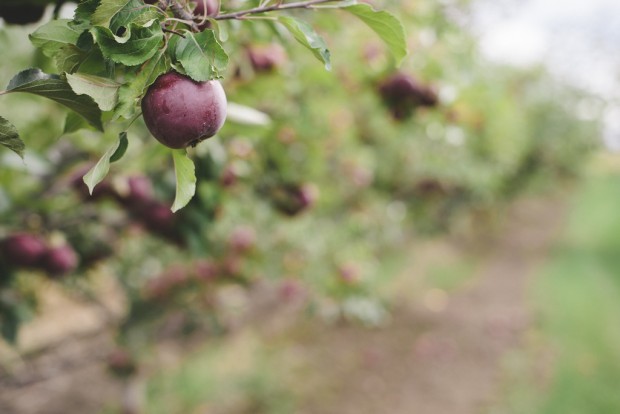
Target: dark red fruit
[291, 290]
[266, 58]
[165, 284]
[232, 267]
[158, 218]
[242, 239]
[121, 363]
[21, 13]
[403, 94]
[206, 270]
[140, 191]
[229, 176]
[23, 249]
[308, 195]
[60, 260]
[292, 199]
[179, 111]
[102, 190]
[213, 9]
[349, 273]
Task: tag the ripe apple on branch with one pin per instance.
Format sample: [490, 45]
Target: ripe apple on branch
[162, 60]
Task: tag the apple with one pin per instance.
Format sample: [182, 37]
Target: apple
[206, 270]
[23, 249]
[140, 191]
[266, 58]
[21, 13]
[159, 219]
[349, 273]
[292, 199]
[229, 176]
[180, 112]
[402, 94]
[60, 260]
[213, 9]
[166, 283]
[242, 239]
[104, 189]
[121, 362]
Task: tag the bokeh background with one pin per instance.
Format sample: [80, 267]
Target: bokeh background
[451, 251]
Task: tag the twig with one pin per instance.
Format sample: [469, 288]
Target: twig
[173, 32]
[179, 12]
[275, 7]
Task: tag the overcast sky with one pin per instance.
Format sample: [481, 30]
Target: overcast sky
[579, 39]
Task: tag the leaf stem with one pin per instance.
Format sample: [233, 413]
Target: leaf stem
[173, 32]
[275, 7]
[138, 115]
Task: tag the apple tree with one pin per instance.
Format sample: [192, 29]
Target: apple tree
[114, 53]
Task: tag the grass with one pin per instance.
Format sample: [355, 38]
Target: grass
[577, 299]
[236, 373]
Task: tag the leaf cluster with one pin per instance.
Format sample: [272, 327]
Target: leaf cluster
[108, 55]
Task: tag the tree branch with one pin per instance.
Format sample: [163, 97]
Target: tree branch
[297, 5]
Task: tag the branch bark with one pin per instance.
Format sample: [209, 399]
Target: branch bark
[276, 7]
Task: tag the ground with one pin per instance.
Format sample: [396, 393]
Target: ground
[441, 354]
[442, 351]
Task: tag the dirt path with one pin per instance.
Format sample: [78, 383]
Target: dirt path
[446, 361]
[440, 354]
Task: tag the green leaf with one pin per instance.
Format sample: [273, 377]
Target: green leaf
[68, 58]
[95, 64]
[339, 5]
[201, 55]
[115, 14]
[103, 90]
[106, 10]
[305, 34]
[122, 147]
[246, 115]
[53, 87]
[74, 122]
[137, 45]
[134, 12]
[386, 25]
[130, 92]
[53, 35]
[9, 137]
[186, 179]
[96, 174]
[83, 13]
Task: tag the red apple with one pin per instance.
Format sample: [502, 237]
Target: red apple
[139, 192]
[23, 249]
[121, 362]
[60, 260]
[213, 9]
[242, 239]
[180, 112]
[402, 94]
[265, 58]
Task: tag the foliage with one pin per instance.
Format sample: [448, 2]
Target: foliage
[113, 50]
[313, 182]
[578, 331]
